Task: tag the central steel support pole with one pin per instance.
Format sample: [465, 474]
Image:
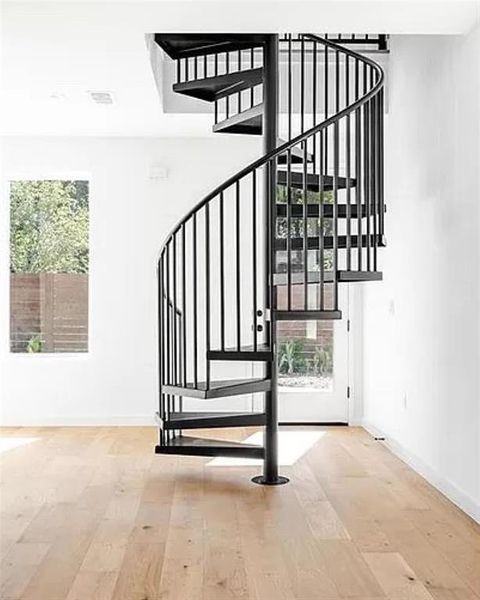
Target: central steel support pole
[270, 135]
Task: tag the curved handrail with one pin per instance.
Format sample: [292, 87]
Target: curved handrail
[293, 142]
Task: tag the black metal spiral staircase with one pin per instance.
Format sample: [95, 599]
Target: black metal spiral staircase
[305, 217]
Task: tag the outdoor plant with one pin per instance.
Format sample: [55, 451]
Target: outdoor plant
[34, 344]
[290, 358]
[322, 361]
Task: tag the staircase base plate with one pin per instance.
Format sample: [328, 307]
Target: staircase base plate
[262, 480]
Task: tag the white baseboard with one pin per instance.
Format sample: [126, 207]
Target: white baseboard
[79, 421]
[464, 501]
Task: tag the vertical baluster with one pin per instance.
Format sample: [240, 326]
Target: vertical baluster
[254, 258]
[348, 170]
[174, 321]
[373, 175]
[358, 166]
[161, 339]
[305, 228]
[289, 229]
[321, 254]
[290, 87]
[227, 98]
[178, 71]
[336, 143]
[314, 96]
[366, 177]
[381, 206]
[186, 69]
[207, 290]
[238, 265]
[184, 305]
[239, 95]
[195, 68]
[326, 93]
[195, 307]
[302, 84]
[337, 81]
[252, 66]
[205, 66]
[222, 273]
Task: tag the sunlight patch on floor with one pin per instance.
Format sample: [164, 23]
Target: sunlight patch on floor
[9, 443]
[292, 445]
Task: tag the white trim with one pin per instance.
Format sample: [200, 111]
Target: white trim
[80, 421]
[42, 175]
[464, 501]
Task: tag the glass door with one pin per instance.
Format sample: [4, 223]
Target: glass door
[313, 369]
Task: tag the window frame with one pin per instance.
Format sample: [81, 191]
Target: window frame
[42, 175]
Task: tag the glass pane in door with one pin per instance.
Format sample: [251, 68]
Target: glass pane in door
[305, 355]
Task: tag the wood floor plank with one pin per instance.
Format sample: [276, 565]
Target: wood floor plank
[434, 571]
[18, 567]
[396, 578]
[349, 571]
[91, 513]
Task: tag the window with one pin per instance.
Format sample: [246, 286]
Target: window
[49, 266]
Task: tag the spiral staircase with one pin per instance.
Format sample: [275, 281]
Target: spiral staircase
[275, 241]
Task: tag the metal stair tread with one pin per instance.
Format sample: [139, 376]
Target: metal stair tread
[313, 181]
[184, 45]
[218, 86]
[250, 353]
[200, 420]
[308, 315]
[195, 446]
[246, 122]
[313, 210]
[313, 242]
[218, 388]
[353, 276]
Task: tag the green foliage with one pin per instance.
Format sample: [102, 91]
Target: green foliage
[49, 226]
[322, 361]
[290, 358]
[34, 344]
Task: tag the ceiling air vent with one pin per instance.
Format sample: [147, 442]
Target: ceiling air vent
[101, 97]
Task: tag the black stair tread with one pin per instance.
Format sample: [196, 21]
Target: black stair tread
[313, 243]
[183, 416]
[313, 181]
[250, 353]
[219, 388]
[183, 45]
[308, 315]
[296, 155]
[313, 210]
[200, 420]
[214, 88]
[209, 447]
[248, 122]
[352, 276]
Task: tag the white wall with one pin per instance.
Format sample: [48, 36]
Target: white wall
[130, 215]
[422, 325]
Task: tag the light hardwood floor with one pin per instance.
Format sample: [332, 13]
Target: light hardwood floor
[92, 514]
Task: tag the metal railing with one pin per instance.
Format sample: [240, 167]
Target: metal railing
[316, 200]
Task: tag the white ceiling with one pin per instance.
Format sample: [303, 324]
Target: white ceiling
[53, 53]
